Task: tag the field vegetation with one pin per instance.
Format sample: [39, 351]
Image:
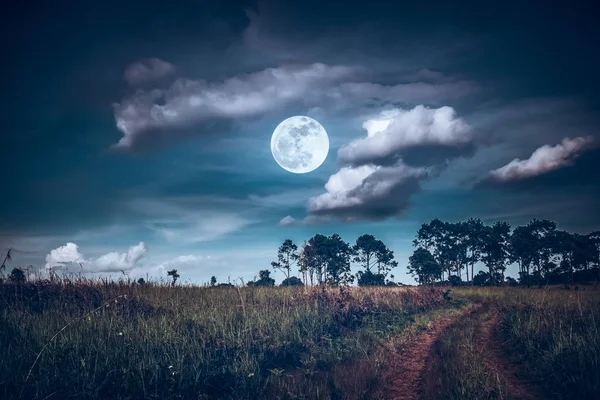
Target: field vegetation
[109, 340]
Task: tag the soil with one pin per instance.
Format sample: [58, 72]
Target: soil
[510, 372]
[403, 380]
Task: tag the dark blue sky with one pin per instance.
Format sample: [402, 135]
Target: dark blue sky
[128, 122]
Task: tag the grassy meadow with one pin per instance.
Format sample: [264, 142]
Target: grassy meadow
[156, 341]
[552, 336]
[86, 339]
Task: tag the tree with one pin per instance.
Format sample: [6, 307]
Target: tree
[337, 255]
[542, 242]
[522, 251]
[141, 281]
[213, 280]
[315, 256]
[424, 266]
[496, 244]
[286, 257]
[370, 252]
[173, 274]
[17, 275]
[292, 281]
[264, 279]
[474, 230]
[365, 250]
[368, 278]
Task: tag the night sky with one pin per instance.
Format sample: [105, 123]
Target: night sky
[136, 135]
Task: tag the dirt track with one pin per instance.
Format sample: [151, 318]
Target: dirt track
[512, 374]
[403, 381]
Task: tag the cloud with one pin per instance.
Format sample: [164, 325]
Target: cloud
[288, 221]
[395, 131]
[211, 107]
[111, 262]
[206, 103]
[367, 192]
[188, 220]
[115, 262]
[64, 255]
[545, 159]
[148, 71]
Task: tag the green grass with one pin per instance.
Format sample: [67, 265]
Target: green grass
[554, 333]
[156, 342]
[457, 368]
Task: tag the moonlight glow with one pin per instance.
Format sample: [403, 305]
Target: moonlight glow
[299, 144]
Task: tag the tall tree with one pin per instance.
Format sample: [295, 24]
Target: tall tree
[366, 248]
[287, 256]
[474, 242]
[424, 267]
[433, 237]
[522, 251]
[496, 249]
[542, 232]
[337, 255]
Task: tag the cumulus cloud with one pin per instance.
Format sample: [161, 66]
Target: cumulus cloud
[148, 71]
[111, 262]
[545, 159]
[64, 255]
[367, 191]
[394, 131]
[114, 261]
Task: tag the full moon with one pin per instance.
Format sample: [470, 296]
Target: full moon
[299, 144]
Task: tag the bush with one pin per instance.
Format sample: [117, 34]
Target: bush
[292, 281]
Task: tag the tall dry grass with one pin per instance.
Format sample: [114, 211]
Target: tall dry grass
[157, 341]
[554, 332]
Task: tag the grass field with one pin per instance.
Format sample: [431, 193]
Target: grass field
[109, 340]
[149, 341]
[550, 339]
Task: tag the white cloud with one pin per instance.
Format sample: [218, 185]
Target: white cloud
[111, 262]
[396, 130]
[64, 255]
[115, 262]
[213, 106]
[288, 221]
[148, 71]
[187, 101]
[545, 159]
[368, 191]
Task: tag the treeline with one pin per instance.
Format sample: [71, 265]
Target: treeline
[447, 252]
[327, 260]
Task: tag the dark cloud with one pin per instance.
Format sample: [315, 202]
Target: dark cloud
[148, 72]
[367, 192]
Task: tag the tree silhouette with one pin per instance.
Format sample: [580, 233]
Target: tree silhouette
[423, 265]
[287, 256]
[292, 281]
[17, 276]
[496, 250]
[370, 252]
[213, 280]
[173, 274]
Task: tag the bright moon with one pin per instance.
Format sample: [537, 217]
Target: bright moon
[299, 144]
